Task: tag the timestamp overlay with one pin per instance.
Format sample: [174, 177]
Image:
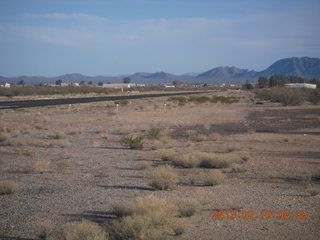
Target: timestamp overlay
[263, 214]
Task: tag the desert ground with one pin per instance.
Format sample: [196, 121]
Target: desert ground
[71, 164]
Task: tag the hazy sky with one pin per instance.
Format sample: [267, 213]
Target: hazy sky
[106, 37]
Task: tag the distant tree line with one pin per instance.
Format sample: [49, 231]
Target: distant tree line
[274, 81]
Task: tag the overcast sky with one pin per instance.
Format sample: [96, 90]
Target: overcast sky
[109, 37]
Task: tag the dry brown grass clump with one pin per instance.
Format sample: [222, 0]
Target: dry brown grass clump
[58, 135]
[186, 207]
[156, 144]
[167, 155]
[133, 142]
[74, 131]
[8, 187]
[84, 230]
[141, 166]
[43, 229]
[201, 159]
[41, 166]
[213, 177]
[200, 137]
[4, 136]
[163, 178]
[125, 130]
[215, 137]
[151, 218]
[122, 208]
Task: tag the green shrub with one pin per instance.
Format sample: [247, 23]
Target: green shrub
[133, 142]
[154, 133]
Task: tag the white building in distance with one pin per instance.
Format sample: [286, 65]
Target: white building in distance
[5, 84]
[300, 85]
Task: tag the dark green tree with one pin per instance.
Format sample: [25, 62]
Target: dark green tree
[21, 82]
[59, 82]
[263, 82]
[127, 80]
[177, 82]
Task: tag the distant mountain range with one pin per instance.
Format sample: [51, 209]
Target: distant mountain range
[300, 67]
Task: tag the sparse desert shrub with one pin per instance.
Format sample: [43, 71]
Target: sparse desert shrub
[200, 138]
[180, 99]
[229, 149]
[62, 143]
[74, 131]
[150, 220]
[43, 229]
[167, 155]
[222, 99]
[125, 130]
[4, 137]
[178, 227]
[245, 158]
[163, 178]
[314, 96]
[215, 137]
[199, 99]
[159, 209]
[83, 230]
[238, 170]
[286, 96]
[201, 159]
[188, 160]
[141, 166]
[100, 130]
[186, 207]
[122, 102]
[156, 144]
[133, 142]
[291, 97]
[41, 166]
[136, 228]
[8, 187]
[58, 135]
[122, 208]
[213, 177]
[209, 160]
[314, 192]
[154, 133]
[104, 135]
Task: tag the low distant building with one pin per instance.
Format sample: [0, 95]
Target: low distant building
[118, 85]
[5, 84]
[169, 86]
[300, 85]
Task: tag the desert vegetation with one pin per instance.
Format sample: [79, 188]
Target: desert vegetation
[8, 187]
[290, 96]
[99, 172]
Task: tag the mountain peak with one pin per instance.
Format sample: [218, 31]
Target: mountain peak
[305, 67]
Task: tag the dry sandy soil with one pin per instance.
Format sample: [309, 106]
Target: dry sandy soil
[274, 152]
